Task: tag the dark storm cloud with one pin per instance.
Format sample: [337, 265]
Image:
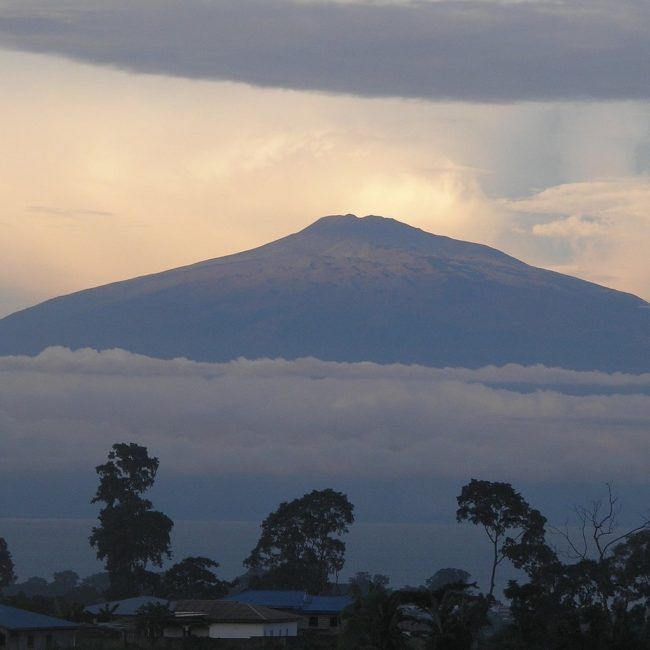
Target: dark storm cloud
[461, 50]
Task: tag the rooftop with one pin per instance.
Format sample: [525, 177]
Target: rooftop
[12, 618]
[125, 607]
[227, 611]
[293, 600]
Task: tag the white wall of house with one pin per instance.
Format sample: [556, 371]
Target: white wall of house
[236, 630]
[281, 629]
[248, 630]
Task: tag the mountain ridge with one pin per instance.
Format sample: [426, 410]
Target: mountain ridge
[351, 289]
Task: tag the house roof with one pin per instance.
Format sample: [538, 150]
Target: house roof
[125, 607]
[295, 600]
[271, 598]
[327, 604]
[228, 611]
[12, 618]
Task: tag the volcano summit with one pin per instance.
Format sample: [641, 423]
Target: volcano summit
[352, 289]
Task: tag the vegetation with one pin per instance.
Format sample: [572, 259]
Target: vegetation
[593, 595]
[193, 577]
[513, 527]
[300, 545]
[450, 617]
[130, 534]
[6, 565]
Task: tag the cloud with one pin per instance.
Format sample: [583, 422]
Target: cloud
[473, 50]
[604, 224]
[323, 420]
[72, 213]
[195, 170]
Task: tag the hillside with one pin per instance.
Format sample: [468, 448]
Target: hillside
[352, 289]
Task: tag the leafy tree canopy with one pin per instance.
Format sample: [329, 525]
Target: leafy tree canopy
[513, 527]
[447, 576]
[193, 577]
[299, 546]
[128, 473]
[7, 575]
[130, 534]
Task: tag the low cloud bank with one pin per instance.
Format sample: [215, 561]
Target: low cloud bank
[474, 50]
[309, 418]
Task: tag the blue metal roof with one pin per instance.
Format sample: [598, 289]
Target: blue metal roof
[12, 618]
[271, 598]
[294, 600]
[127, 606]
[326, 604]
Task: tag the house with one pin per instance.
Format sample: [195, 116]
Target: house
[23, 630]
[317, 613]
[122, 609]
[118, 617]
[221, 619]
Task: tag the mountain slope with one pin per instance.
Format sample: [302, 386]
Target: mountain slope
[352, 289]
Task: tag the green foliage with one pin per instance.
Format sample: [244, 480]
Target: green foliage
[514, 528]
[150, 620]
[7, 575]
[362, 582]
[299, 547]
[449, 618]
[373, 621]
[65, 587]
[193, 577]
[128, 473]
[447, 576]
[130, 534]
[598, 601]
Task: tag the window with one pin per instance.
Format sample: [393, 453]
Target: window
[313, 621]
[48, 641]
[334, 621]
[3, 640]
[30, 640]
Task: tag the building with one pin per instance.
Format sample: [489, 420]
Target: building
[119, 617]
[317, 613]
[122, 609]
[23, 630]
[221, 619]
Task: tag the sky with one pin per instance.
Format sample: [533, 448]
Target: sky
[142, 136]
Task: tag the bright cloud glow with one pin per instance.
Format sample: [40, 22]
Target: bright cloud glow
[108, 175]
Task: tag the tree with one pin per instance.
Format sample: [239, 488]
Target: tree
[444, 619]
[63, 582]
[447, 576]
[7, 575]
[373, 621]
[512, 526]
[193, 578]
[600, 598]
[130, 534]
[362, 581]
[299, 547]
[447, 618]
[150, 620]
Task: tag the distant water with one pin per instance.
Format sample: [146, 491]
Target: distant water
[407, 553]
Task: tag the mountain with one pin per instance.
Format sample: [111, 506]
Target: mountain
[352, 289]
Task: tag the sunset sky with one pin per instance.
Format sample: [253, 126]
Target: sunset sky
[142, 135]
